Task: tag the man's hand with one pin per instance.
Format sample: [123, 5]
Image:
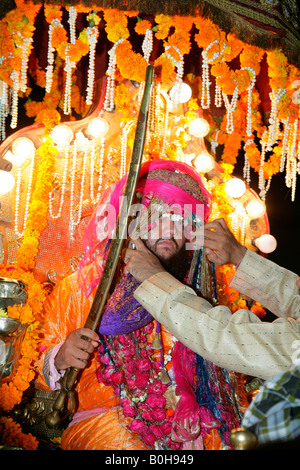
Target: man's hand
[141, 263]
[76, 351]
[221, 247]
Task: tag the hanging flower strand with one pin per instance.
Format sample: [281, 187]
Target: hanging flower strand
[92, 36]
[53, 16]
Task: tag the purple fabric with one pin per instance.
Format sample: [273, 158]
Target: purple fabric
[123, 314]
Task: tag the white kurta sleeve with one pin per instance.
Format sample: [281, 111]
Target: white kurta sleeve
[271, 285]
[240, 342]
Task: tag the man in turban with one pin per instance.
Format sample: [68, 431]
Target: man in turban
[141, 388]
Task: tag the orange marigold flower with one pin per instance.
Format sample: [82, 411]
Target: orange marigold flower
[142, 26]
[52, 12]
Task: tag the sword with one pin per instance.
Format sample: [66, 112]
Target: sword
[65, 398]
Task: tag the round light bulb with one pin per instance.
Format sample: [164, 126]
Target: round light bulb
[98, 127]
[22, 148]
[7, 182]
[204, 162]
[255, 209]
[199, 127]
[266, 243]
[62, 134]
[180, 93]
[235, 187]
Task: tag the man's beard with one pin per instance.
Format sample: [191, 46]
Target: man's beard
[177, 264]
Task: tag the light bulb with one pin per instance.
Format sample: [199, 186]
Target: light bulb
[62, 134]
[266, 243]
[235, 187]
[7, 182]
[199, 127]
[204, 162]
[180, 93]
[98, 127]
[255, 209]
[22, 149]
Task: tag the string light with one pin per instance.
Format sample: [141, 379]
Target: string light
[199, 127]
[266, 243]
[230, 107]
[255, 209]
[97, 127]
[204, 162]
[92, 34]
[180, 93]
[235, 187]
[62, 135]
[22, 148]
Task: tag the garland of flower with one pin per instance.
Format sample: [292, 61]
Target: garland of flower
[130, 368]
[31, 313]
[38, 208]
[11, 435]
[17, 29]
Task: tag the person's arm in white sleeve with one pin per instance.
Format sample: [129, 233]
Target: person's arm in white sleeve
[240, 342]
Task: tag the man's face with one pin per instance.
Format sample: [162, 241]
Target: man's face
[166, 238]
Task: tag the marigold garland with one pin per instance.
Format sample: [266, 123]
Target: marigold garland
[38, 208]
[31, 315]
[11, 435]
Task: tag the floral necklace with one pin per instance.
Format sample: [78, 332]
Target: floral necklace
[130, 367]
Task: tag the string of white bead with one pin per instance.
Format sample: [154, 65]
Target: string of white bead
[178, 63]
[72, 188]
[25, 56]
[246, 169]
[69, 65]
[249, 100]
[230, 107]
[238, 220]
[166, 126]
[15, 98]
[290, 156]
[124, 136]
[4, 108]
[291, 171]
[92, 34]
[63, 186]
[50, 55]
[109, 103]
[72, 21]
[147, 45]
[28, 196]
[263, 187]
[100, 176]
[275, 100]
[218, 96]
[76, 222]
[205, 93]
[287, 128]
